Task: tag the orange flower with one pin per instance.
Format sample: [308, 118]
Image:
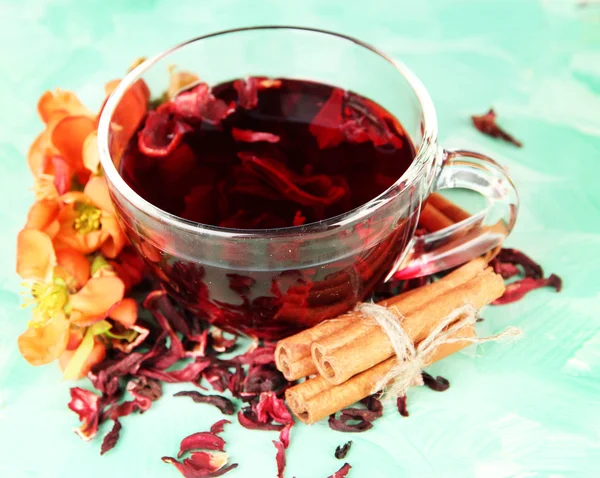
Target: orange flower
[63, 102]
[81, 221]
[44, 344]
[92, 303]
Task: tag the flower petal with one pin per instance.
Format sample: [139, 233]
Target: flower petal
[97, 190]
[88, 407]
[78, 358]
[35, 255]
[44, 344]
[42, 214]
[75, 264]
[125, 312]
[60, 101]
[115, 237]
[128, 114]
[179, 80]
[68, 137]
[94, 300]
[91, 157]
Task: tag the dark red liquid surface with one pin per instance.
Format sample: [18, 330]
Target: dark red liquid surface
[321, 152]
[325, 152]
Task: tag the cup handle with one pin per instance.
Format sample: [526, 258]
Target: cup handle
[475, 235]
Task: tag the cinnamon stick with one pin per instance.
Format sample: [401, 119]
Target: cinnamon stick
[447, 208]
[338, 364]
[406, 303]
[316, 398]
[433, 219]
[293, 354]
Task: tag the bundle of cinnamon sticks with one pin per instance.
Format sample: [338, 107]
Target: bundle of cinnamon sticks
[344, 358]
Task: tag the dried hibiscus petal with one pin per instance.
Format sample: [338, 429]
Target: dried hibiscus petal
[401, 404]
[201, 441]
[217, 374]
[247, 91]
[249, 419]
[249, 136]
[219, 343]
[258, 355]
[222, 403]
[341, 425]
[271, 408]
[280, 458]
[342, 472]
[315, 190]
[486, 123]
[219, 426]
[190, 373]
[199, 103]
[438, 384]
[145, 387]
[514, 257]
[517, 290]
[161, 134]
[325, 126]
[202, 465]
[111, 438]
[342, 450]
[88, 406]
[240, 284]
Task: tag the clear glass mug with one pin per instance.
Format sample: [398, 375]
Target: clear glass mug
[268, 283]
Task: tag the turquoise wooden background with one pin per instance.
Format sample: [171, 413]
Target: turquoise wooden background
[530, 409]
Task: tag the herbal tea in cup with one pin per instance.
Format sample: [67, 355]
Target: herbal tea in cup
[273, 194]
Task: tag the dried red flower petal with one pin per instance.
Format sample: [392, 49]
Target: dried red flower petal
[217, 374]
[219, 426]
[314, 190]
[144, 387]
[200, 465]
[505, 269]
[280, 458]
[161, 134]
[325, 126]
[486, 123]
[270, 408]
[249, 419]
[257, 355]
[284, 435]
[299, 219]
[88, 406]
[342, 472]
[222, 403]
[111, 438]
[341, 425]
[517, 258]
[349, 414]
[247, 91]
[201, 441]
[437, 384]
[175, 351]
[219, 343]
[342, 450]
[199, 103]
[249, 136]
[517, 290]
[190, 373]
[401, 404]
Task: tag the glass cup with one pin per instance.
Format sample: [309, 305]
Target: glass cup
[270, 282]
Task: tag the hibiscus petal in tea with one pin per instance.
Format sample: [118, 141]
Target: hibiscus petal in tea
[258, 153]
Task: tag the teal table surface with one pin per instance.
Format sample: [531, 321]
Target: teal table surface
[526, 409]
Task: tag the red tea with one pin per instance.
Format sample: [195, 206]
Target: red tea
[262, 154]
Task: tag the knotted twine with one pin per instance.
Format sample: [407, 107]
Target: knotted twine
[411, 359]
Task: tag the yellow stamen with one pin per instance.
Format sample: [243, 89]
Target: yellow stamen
[47, 300]
[44, 187]
[88, 218]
